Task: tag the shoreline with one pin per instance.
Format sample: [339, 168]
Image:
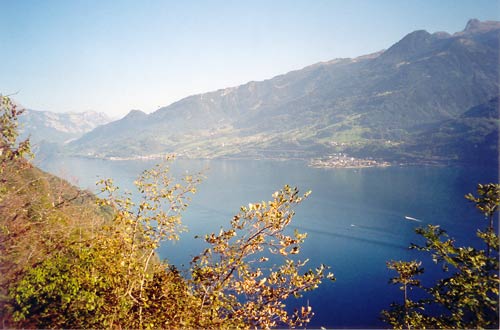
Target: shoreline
[328, 162]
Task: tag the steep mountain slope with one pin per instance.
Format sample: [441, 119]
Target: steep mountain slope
[478, 133]
[379, 100]
[471, 138]
[115, 132]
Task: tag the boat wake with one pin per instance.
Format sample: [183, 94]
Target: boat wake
[412, 219]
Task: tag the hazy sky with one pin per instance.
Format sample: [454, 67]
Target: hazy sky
[113, 56]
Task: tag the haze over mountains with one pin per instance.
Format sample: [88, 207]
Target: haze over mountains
[416, 101]
[58, 127]
[49, 131]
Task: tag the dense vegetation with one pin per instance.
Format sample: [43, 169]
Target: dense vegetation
[71, 259]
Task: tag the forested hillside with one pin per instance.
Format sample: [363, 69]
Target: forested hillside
[384, 105]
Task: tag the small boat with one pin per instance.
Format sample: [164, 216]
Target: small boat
[412, 219]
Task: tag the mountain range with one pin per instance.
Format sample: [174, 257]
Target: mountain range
[48, 128]
[427, 97]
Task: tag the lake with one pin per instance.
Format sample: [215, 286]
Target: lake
[355, 219]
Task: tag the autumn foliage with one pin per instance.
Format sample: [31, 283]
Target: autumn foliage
[71, 259]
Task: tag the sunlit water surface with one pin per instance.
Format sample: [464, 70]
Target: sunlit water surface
[355, 218]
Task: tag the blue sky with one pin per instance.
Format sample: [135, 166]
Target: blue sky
[113, 56]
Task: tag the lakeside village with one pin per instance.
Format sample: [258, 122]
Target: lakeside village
[337, 160]
[341, 160]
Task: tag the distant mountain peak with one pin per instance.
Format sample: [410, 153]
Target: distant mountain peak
[59, 127]
[410, 45]
[441, 34]
[415, 38]
[474, 25]
[134, 114]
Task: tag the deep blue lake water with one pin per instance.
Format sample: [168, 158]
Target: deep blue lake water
[355, 219]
